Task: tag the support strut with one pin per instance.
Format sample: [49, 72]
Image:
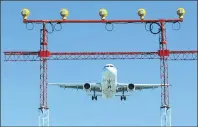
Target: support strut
[165, 107]
[43, 109]
[18, 56]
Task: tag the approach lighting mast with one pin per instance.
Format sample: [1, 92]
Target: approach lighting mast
[43, 55]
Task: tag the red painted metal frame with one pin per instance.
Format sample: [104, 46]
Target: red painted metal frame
[165, 121]
[34, 56]
[43, 70]
[102, 21]
[43, 55]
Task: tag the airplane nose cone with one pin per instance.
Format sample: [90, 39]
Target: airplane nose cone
[109, 70]
[106, 69]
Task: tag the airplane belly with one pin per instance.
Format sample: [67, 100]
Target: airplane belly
[108, 93]
[108, 85]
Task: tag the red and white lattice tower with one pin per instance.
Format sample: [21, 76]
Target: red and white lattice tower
[43, 109]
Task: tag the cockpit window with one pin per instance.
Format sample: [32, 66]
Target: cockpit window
[109, 66]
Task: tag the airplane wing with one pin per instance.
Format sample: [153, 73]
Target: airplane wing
[130, 86]
[92, 86]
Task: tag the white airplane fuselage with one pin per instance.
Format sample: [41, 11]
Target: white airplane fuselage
[109, 81]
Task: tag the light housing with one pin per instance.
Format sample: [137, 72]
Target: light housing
[25, 13]
[181, 12]
[64, 13]
[103, 13]
[141, 13]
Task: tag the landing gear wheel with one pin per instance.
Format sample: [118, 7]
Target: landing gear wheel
[122, 98]
[125, 98]
[94, 97]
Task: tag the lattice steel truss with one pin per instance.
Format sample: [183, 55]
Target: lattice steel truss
[165, 106]
[44, 110]
[34, 56]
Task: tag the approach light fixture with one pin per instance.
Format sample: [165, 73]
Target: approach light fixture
[181, 12]
[25, 13]
[64, 13]
[141, 13]
[103, 13]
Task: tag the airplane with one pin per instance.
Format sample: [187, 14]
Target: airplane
[109, 85]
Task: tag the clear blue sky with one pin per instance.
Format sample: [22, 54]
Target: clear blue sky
[20, 81]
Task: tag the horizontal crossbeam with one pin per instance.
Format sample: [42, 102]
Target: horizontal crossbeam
[103, 21]
[34, 56]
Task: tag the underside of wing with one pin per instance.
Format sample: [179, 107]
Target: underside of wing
[83, 86]
[131, 86]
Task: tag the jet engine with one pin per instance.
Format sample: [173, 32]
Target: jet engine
[87, 87]
[131, 87]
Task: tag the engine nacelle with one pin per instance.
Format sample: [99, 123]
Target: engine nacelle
[131, 87]
[87, 87]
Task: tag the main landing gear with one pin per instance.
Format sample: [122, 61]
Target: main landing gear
[123, 97]
[94, 97]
